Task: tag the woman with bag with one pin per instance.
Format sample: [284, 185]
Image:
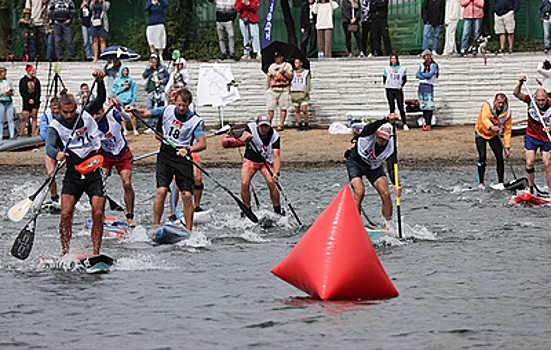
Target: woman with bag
[100, 25]
[351, 16]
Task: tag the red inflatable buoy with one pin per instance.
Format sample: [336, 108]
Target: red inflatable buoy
[335, 259]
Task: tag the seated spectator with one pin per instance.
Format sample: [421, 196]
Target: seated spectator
[177, 80]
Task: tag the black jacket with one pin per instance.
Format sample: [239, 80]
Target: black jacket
[346, 12]
[432, 12]
[379, 10]
[305, 15]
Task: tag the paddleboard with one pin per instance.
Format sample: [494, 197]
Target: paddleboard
[168, 234]
[199, 217]
[374, 233]
[51, 207]
[529, 199]
[267, 218]
[88, 263]
[112, 228]
[20, 143]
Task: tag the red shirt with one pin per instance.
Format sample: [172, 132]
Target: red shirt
[535, 128]
[247, 11]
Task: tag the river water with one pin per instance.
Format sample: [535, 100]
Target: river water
[474, 273]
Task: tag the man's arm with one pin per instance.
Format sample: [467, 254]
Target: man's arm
[518, 94]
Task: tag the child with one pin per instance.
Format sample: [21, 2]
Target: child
[300, 93]
[125, 89]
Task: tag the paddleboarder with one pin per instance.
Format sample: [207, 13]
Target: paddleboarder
[116, 152]
[373, 146]
[495, 119]
[537, 131]
[267, 141]
[78, 131]
[181, 127]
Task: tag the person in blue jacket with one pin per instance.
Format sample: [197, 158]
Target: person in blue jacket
[51, 113]
[428, 76]
[126, 90]
[156, 33]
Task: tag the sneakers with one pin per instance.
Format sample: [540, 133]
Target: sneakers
[434, 53]
[306, 127]
[224, 56]
[148, 131]
[426, 128]
[136, 133]
[125, 132]
[546, 51]
[234, 57]
[406, 127]
[246, 57]
[258, 56]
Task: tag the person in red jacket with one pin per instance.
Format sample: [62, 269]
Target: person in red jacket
[248, 23]
[472, 17]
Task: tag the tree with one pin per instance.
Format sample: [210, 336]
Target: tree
[289, 22]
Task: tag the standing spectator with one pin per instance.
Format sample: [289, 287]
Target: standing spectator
[366, 28]
[126, 92]
[111, 69]
[248, 24]
[6, 103]
[177, 80]
[379, 29]
[61, 13]
[452, 17]
[324, 25]
[472, 17]
[157, 77]
[308, 28]
[48, 31]
[351, 14]
[279, 77]
[427, 75]
[544, 68]
[100, 25]
[225, 14]
[504, 22]
[86, 18]
[300, 93]
[156, 33]
[39, 12]
[394, 78]
[29, 89]
[433, 17]
[545, 17]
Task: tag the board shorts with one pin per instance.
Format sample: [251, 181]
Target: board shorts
[358, 169]
[92, 184]
[532, 144]
[426, 97]
[195, 157]
[156, 36]
[505, 24]
[253, 167]
[123, 163]
[168, 169]
[277, 98]
[299, 98]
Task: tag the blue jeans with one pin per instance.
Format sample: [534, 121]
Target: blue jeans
[50, 47]
[87, 42]
[426, 36]
[7, 113]
[467, 24]
[62, 32]
[546, 30]
[254, 31]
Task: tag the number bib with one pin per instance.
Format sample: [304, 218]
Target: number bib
[177, 132]
[86, 138]
[113, 142]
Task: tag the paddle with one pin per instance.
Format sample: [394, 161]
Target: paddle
[173, 204]
[113, 205]
[516, 184]
[368, 219]
[397, 182]
[246, 210]
[277, 182]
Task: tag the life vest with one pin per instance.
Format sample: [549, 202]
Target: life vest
[267, 152]
[177, 132]
[366, 150]
[113, 143]
[394, 77]
[499, 120]
[298, 84]
[86, 139]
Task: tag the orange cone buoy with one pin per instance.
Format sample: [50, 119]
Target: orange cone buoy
[335, 259]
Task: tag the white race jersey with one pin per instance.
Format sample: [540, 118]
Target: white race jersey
[86, 138]
[366, 150]
[265, 151]
[113, 142]
[394, 77]
[179, 133]
[299, 81]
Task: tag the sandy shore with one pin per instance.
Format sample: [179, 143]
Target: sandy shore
[446, 146]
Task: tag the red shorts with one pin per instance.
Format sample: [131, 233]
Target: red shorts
[253, 167]
[123, 163]
[195, 157]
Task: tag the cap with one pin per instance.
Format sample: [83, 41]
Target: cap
[385, 131]
[426, 52]
[27, 10]
[278, 54]
[263, 119]
[180, 60]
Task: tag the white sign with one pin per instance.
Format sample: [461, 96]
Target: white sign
[216, 85]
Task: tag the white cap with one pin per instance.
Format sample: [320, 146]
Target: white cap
[385, 131]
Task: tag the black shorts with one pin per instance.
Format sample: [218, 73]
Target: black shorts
[358, 169]
[168, 168]
[93, 184]
[28, 107]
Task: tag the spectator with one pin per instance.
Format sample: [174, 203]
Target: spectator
[27, 24]
[452, 17]
[86, 18]
[248, 24]
[308, 28]
[178, 79]
[545, 17]
[82, 95]
[156, 33]
[61, 13]
[433, 18]
[279, 77]
[427, 75]
[100, 25]
[544, 68]
[6, 103]
[366, 27]
[48, 31]
[126, 92]
[29, 89]
[504, 22]
[157, 77]
[394, 78]
[324, 25]
[472, 17]
[351, 15]
[39, 16]
[300, 93]
[379, 29]
[225, 14]
[111, 69]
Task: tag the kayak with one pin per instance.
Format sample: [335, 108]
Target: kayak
[168, 234]
[20, 143]
[199, 217]
[88, 263]
[112, 228]
[529, 199]
[51, 207]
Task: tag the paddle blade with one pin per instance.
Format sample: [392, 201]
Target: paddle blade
[294, 213]
[18, 211]
[114, 205]
[247, 211]
[517, 184]
[24, 242]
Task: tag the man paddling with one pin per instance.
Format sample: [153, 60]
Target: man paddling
[537, 134]
[266, 141]
[116, 153]
[494, 119]
[373, 146]
[82, 174]
[182, 128]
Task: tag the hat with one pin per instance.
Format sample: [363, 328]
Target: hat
[426, 52]
[278, 54]
[25, 11]
[263, 119]
[29, 68]
[180, 60]
[385, 131]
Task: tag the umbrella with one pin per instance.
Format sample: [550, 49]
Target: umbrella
[289, 51]
[121, 52]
